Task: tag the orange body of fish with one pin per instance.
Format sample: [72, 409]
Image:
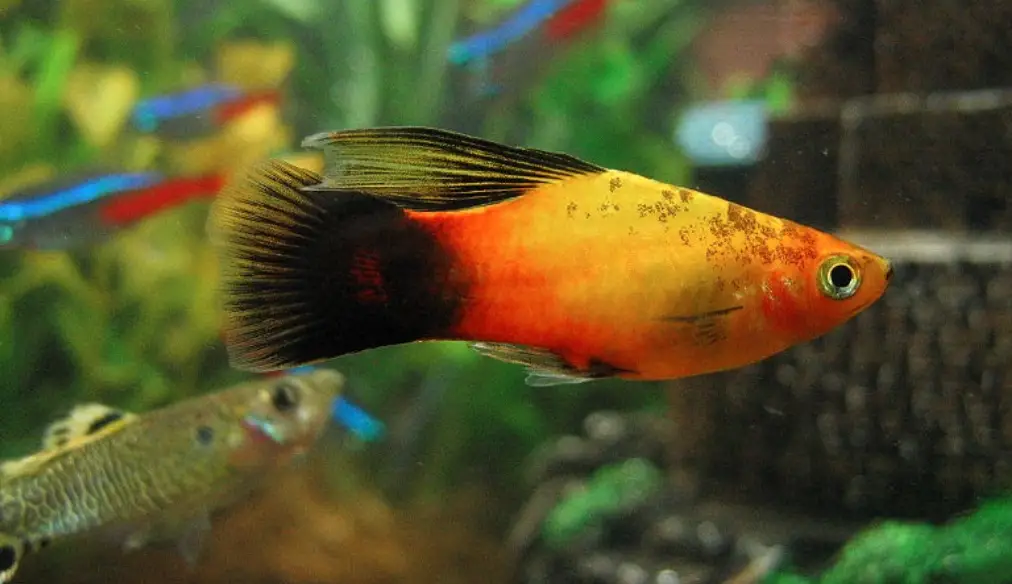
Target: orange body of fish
[574, 270]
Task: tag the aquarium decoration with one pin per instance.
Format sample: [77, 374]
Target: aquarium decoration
[730, 133]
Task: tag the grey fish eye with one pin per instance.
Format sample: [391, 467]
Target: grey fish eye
[285, 396]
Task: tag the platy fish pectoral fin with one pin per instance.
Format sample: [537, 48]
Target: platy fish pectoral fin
[705, 328]
[545, 368]
[428, 169]
[11, 551]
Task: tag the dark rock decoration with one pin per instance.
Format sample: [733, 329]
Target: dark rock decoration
[603, 512]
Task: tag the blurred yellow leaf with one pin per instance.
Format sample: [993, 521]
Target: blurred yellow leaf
[252, 137]
[311, 161]
[99, 100]
[141, 151]
[254, 65]
[15, 130]
[28, 176]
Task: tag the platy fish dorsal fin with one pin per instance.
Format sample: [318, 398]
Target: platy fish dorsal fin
[544, 367]
[84, 421]
[427, 169]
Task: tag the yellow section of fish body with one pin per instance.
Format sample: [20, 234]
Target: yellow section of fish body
[159, 475]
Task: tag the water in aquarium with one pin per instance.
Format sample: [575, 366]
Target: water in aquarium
[506, 291]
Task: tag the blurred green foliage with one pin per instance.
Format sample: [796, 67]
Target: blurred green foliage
[134, 323]
[975, 549]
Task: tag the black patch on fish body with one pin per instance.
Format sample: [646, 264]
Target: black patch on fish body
[322, 274]
[104, 421]
[329, 265]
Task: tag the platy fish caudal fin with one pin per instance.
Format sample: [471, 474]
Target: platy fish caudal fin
[430, 169]
[311, 275]
[11, 551]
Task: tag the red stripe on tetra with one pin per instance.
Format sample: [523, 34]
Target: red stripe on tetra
[136, 205]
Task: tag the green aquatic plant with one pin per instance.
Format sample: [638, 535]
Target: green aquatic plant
[975, 549]
[776, 90]
[135, 321]
[612, 490]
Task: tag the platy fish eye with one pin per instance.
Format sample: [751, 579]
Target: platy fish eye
[839, 277]
[285, 396]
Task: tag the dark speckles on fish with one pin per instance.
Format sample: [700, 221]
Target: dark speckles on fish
[157, 476]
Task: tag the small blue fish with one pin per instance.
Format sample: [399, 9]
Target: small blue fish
[43, 200]
[359, 422]
[356, 420]
[484, 44]
[87, 208]
[197, 112]
[150, 113]
[514, 49]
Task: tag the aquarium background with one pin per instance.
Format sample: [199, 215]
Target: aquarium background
[886, 119]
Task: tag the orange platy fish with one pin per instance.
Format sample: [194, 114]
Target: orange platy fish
[158, 476]
[538, 258]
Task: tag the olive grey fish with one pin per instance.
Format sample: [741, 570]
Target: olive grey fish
[158, 476]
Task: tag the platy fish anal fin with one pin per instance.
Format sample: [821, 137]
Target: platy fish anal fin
[545, 368]
[428, 169]
[541, 379]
